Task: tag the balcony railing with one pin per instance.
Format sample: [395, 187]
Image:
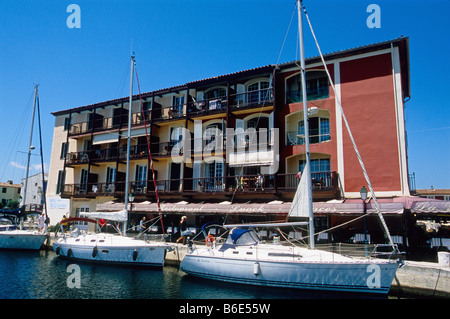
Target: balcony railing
[228, 184]
[102, 124]
[107, 154]
[213, 105]
[169, 112]
[294, 138]
[316, 93]
[252, 98]
[239, 100]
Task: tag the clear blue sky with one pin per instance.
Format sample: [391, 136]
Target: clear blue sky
[180, 41]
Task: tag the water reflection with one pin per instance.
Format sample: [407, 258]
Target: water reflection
[43, 275]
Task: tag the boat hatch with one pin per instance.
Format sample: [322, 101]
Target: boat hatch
[240, 237]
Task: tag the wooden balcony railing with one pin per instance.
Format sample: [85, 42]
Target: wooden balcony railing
[232, 184]
[239, 100]
[107, 154]
[101, 123]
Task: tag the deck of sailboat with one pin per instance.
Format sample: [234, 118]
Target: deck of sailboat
[109, 240]
[281, 253]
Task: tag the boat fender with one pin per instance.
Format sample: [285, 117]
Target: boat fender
[69, 252]
[209, 240]
[94, 251]
[256, 269]
[135, 254]
[58, 250]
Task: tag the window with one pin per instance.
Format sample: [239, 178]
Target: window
[176, 138]
[111, 174]
[146, 106]
[316, 87]
[214, 174]
[319, 130]
[320, 171]
[141, 175]
[61, 182]
[212, 137]
[64, 149]
[260, 124]
[317, 165]
[4, 190]
[84, 180]
[178, 102]
[215, 93]
[67, 123]
[258, 92]
[81, 224]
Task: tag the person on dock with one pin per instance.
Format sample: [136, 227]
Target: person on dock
[63, 223]
[40, 222]
[183, 231]
[142, 226]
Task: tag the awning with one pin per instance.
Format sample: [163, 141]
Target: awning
[119, 216]
[250, 158]
[105, 138]
[254, 208]
[435, 206]
[356, 208]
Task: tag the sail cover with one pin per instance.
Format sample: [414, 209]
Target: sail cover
[120, 216]
[299, 207]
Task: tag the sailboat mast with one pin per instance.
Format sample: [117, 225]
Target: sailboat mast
[306, 126]
[30, 147]
[127, 178]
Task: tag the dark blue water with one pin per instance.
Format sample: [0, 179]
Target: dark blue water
[43, 275]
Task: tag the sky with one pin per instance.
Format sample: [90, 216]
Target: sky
[177, 41]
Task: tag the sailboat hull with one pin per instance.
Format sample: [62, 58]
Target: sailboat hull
[347, 275]
[21, 239]
[112, 250]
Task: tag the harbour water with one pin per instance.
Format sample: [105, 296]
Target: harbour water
[44, 275]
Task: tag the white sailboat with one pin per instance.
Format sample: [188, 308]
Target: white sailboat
[112, 248]
[243, 258]
[12, 233]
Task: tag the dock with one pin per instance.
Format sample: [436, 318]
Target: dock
[174, 257]
[422, 279]
[418, 279]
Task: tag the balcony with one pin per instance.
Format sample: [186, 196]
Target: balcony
[208, 106]
[98, 123]
[174, 112]
[252, 99]
[243, 100]
[324, 184]
[107, 154]
[294, 138]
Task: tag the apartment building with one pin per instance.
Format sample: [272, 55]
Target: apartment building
[35, 189]
[9, 192]
[237, 138]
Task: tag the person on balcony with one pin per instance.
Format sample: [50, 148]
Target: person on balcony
[259, 181]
